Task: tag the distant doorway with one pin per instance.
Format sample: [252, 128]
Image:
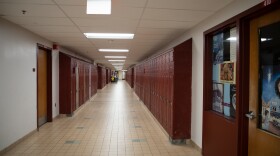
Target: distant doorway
[44, 86]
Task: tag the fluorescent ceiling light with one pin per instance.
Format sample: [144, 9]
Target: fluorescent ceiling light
[116, 60]
[115, 56]
[232, 39]
[124, 70]
[99, 7]
[113, 50]
[109, 35]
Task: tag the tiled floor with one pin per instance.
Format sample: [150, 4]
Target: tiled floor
[113, 123]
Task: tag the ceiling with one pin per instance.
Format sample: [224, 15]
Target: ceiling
[155, 23]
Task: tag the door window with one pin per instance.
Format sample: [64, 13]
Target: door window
[269, 79]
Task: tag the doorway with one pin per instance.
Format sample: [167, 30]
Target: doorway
[264, 77]
[44, 86]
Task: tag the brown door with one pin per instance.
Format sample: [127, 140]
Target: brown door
[42, 87]
[264, 129]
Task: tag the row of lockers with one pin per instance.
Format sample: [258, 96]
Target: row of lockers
[130, 77]
[104, 76]
[78, 81]
[163, 83]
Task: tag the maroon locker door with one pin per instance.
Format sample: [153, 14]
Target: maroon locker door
[86, 89]
[64, 84]
[99, 70]
[81, 83]
[73, 84]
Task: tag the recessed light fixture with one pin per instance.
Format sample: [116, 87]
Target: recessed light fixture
[99, 7]
[109, 35]
[113, 50]
[116, 60]
[115, 56]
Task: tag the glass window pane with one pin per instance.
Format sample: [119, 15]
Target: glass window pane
[224, 72]
[269, 103]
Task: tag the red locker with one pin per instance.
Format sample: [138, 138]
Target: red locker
[163, 83]
[71, 94]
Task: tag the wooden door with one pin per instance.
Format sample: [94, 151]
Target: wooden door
[264, 129]
[42, 87]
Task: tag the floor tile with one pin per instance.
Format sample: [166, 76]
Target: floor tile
[113, 123]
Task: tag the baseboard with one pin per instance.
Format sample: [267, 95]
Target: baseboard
[152, 117]
[99, 90]
[196, 146]
[5, 150]
[57, 117]
[187, 141]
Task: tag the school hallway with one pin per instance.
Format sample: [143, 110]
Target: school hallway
[113, 122]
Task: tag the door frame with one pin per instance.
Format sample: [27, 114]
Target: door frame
[242, 23]
[252, 13]
[49, 81]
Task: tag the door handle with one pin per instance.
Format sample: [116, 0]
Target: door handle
[250, 115]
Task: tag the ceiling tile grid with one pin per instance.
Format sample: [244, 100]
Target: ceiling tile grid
[154, 23]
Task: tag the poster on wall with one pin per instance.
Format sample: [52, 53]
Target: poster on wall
[216, 73]
[270, 99]
[218, 49]
[226, 102]
[227, 72]
[218, 95]
[232, 100]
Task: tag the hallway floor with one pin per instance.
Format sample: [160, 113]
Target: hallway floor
[113, 123]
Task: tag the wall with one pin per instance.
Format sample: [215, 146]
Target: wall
[18, 83]
[196, 34]
[55, 83]
[18, 88]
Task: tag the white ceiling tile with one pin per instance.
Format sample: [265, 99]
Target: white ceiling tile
[28, 1]
[33, 10]
[210, 5]
[105, 22]
[119, 12]
[109, 29]
[154, 31]
[81, 44]
[52, 29]
[39, 21]
[68, 39]
[175, 15]
[151, 37]
[71, 2]
[111, 43]
[130, 3]
[61, 34]
[165, 24]
[127, 3]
